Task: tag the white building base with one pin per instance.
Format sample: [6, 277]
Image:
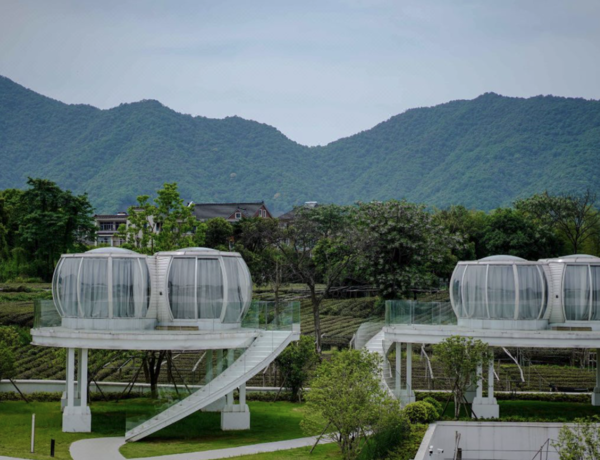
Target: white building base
[486, 408]
[235, 417]
[77, 420]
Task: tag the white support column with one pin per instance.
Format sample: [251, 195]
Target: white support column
[243, 395]
[77, 418]
[79, 376]
[409, 367]
[65, 395]
[70, 377]
[596, 392]
[83, 377]
[485, 407]
[407, 395]
[490, 394]
[398, 375]
[235, 416]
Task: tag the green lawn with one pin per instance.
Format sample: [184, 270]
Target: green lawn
[324, 451]
[200, 431]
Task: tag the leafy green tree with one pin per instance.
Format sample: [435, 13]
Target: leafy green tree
[219, 233]
[347, 403]
[574, 217]
[404, 247]
[166, 225]
[296, 363]
[509, 231]
[459, 358]
[467, 223]
[50, 222]
[579, 442]
[319, 249]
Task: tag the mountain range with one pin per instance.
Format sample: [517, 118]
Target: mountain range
[481, 153]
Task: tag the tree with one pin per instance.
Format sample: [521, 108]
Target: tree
[580, 442]
[319, 248]
[50, 222]
[166, 225]
[469, 224]
[509, 231]
[296, 362]
[459, 358]
[218, 233]
[347, 403]
[574, 217]
[404, 247]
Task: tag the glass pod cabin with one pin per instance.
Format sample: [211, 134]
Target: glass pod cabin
[200, 287]
[503, 292]
[105, 288]
[575, 290]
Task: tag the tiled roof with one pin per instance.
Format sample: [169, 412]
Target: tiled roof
[204, 211]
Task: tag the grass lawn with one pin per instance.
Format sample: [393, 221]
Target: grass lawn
[325, 451]
[200, 431]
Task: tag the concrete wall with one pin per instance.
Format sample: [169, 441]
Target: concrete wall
[489, 440]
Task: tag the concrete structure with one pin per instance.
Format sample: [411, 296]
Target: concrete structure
[489, 440]
[190, 299]
[503, 301]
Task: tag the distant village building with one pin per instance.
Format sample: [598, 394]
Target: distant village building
[286, 219]
[231, 212]
[108, 226]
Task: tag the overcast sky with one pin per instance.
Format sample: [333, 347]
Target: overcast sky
[316, 70]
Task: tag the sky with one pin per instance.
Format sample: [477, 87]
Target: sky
[316, 70]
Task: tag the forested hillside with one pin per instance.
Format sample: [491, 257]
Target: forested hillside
[481, 153]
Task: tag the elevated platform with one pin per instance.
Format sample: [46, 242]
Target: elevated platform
[144, 340]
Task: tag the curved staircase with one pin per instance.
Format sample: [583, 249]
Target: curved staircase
[265, 348]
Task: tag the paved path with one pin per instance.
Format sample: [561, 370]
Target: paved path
[108, 449]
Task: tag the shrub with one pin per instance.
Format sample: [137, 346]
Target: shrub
[420, 412]
[436, 405]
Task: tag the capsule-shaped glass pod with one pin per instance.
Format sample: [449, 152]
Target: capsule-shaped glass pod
[578, 276]
[206, 284]
[102, 283]
[499, 288]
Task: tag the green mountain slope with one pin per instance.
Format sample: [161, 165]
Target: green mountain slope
[481, 153]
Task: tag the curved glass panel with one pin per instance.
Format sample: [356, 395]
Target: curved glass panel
[531, 292]
[182, 296]
[66, 286]
[239, 288]
[576, 293]
[130, 290]
[595, 292]
[93, 280]
[209, 288]
[474, 292]
[501, 292]
[455, 289]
